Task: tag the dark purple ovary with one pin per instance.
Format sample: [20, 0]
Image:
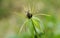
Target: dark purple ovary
[29, 15]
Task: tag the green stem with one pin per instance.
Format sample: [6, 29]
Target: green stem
[33, 26]
[34, 29]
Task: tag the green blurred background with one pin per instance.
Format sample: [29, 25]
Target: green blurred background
[12, 15]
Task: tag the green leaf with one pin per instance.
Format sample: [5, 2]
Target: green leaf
[37, 24]
[31, 25]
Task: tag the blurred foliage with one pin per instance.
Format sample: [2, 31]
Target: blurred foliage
[12, 17]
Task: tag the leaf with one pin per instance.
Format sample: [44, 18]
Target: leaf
[31, 25]
[30, 28]
[37, 24]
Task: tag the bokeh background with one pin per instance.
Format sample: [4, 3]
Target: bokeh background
[12, 15]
